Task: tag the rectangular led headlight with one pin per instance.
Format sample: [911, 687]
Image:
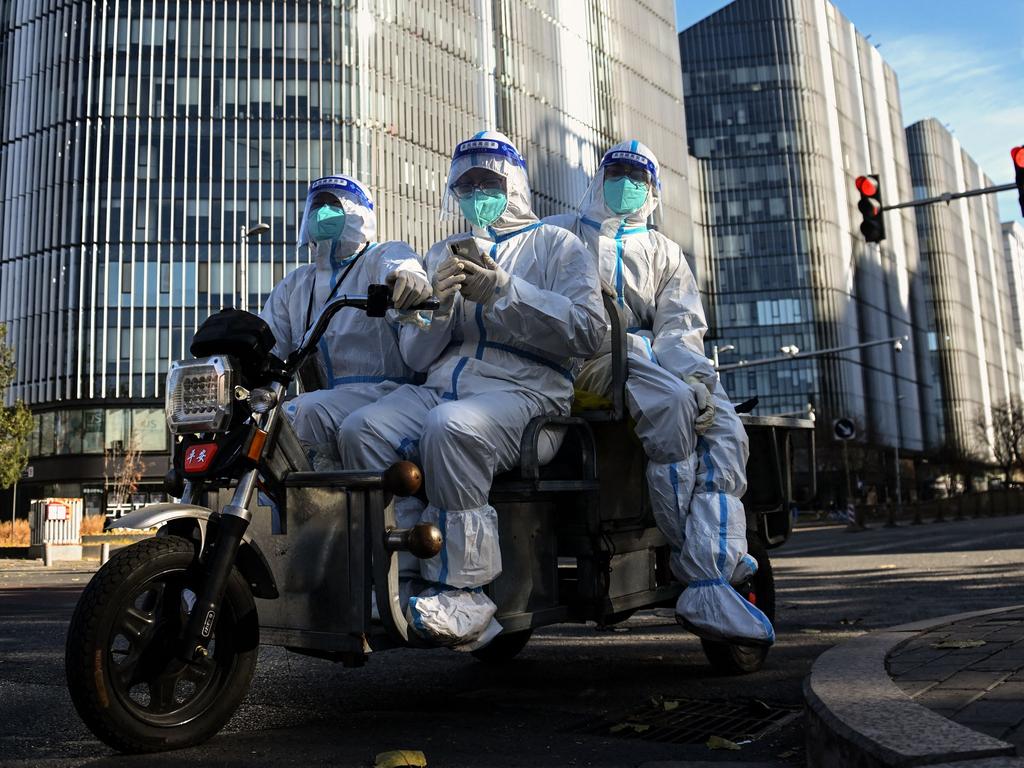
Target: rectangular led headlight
[200, 395]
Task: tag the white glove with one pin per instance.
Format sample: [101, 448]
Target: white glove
[408, 288]
[447, 279]
[705, 405]
[483, 283]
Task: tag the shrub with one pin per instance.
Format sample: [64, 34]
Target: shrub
[18, 537]
[92, 524]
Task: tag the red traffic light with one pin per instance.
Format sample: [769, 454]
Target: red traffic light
[867, 186]
[1017, 153]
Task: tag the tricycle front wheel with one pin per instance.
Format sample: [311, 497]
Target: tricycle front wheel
[735, 659]
[121, 661]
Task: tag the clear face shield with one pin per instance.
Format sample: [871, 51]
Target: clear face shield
[483, 178]
[626, 183]
[339, 211]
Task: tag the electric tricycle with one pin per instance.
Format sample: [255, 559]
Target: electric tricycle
[260, 549]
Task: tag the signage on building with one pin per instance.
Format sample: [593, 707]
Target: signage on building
[844, 429]
[28, 472]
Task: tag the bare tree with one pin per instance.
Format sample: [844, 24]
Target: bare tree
[1004, 441]
[122, 469]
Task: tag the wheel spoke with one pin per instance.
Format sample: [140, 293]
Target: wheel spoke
[126, 670]
[137, 624]
[161, 693]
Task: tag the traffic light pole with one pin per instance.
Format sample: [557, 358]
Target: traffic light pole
[946, 197]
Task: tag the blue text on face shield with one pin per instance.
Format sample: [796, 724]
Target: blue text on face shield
[326, 223]
[483, 208]
[623, 195]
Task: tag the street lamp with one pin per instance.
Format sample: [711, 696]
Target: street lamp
[793, 353]
[716, 350]
[244, 234]
[790, 349]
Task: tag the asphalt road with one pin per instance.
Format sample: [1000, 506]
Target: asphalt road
[832, 585]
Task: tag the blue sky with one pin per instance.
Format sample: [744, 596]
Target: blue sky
[960, 61]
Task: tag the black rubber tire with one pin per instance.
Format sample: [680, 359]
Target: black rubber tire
[504, 647]
[735, 659]
[97, 624]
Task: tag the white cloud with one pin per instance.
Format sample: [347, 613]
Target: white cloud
[972, 90]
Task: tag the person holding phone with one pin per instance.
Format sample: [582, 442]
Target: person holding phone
[695, 443]
[359, 358]
[519, 300]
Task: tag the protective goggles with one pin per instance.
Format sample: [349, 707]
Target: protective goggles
[633, 160]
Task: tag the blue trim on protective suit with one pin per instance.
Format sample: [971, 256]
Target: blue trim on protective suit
[618, 264]
[369, 380]
[454, 393]
[501, 238]
[335, 268]
[442, 522]
[406, 447]
[723, 532]
[417, 620]
[718, 581]
[482, 341]
[533, 357]
[752, 562]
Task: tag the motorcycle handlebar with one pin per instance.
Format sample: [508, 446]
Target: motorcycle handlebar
[375, 303]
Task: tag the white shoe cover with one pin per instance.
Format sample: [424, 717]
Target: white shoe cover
[450, 616]
[716, 545]
[490, 632]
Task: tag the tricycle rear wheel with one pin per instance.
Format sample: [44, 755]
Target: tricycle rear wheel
[123, 672]
[504, 647]
[735, 659]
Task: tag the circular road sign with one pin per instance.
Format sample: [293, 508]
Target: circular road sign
[844, 429]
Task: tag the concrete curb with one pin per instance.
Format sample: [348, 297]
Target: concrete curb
[857, 717]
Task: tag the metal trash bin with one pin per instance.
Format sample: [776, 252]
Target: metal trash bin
[57, 524]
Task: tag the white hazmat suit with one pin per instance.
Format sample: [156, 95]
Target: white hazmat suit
[358, 356]
[492, 366]
[695, 482]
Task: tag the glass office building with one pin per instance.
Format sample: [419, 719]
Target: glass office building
[140, 139]
[970, 325]
[786, 103]
[1013, 258]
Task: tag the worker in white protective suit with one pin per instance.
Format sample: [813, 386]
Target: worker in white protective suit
[359, 359]
[695, 444]
[497, 354]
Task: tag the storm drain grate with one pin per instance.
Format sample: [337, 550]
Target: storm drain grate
[691, 721]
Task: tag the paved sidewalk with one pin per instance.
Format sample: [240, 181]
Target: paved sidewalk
[971, 672]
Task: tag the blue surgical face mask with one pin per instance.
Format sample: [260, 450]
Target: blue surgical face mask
[483, 208]
[326, 223]
[623, 195]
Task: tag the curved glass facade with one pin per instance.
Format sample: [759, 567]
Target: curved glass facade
[785, 105]
[140, 137]
[971, 325]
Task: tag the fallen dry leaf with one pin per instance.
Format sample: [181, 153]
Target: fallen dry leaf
[634, 727]
[959, 644]
[401, 758]
[717, 742]
[670, 705]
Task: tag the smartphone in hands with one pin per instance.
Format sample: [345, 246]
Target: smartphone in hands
[466, 248]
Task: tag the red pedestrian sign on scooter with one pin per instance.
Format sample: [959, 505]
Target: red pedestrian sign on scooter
[844, 429]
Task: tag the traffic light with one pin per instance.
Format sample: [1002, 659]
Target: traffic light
[1017, 153]
[870, 206]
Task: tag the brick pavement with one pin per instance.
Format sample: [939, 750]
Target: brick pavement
[971, 671]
